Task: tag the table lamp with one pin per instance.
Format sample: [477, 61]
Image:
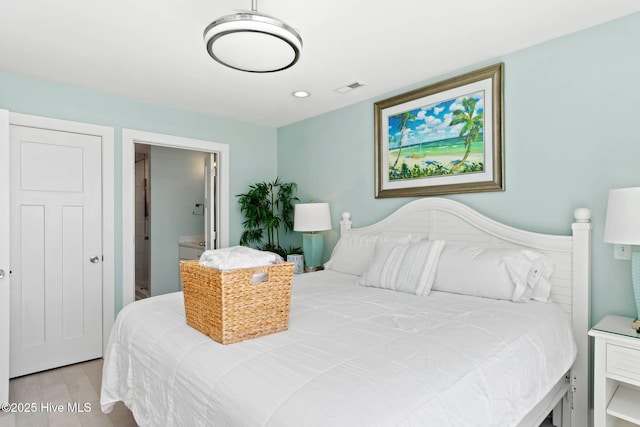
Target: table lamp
[311, 218]
[622, 226]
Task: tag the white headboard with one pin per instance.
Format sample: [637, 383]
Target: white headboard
[458, 224]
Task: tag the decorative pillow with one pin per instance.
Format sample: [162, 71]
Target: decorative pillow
[405, 267]
[355, 251]
[510, 274]
[539, 275]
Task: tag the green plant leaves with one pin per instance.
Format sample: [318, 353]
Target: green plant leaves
[267, 207]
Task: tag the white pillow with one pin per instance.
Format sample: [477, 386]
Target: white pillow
[406, 267]
[510, 274]
[355, 251]
[539, 275]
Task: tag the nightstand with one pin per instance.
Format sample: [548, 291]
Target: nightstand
[616, 382]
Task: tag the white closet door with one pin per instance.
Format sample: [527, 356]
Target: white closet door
[56, 248]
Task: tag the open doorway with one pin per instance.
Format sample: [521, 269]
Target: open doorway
[172, 220]
[215, 205]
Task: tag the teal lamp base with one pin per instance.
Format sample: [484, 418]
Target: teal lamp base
[312, 245]
[635, 278]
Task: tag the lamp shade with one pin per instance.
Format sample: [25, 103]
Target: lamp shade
[622, 225]
[312, 217]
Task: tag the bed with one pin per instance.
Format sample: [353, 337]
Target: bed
[359, 354]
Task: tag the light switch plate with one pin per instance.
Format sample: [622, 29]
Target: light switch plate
[622, 252]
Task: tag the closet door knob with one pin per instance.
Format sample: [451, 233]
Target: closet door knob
[95, 259]
[1, 273]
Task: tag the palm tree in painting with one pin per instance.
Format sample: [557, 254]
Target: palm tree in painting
[405, 119]
[472, 126]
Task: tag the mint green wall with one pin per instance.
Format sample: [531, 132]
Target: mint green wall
[569, 135]
[177, 184]
[569, 117]
[252, 148]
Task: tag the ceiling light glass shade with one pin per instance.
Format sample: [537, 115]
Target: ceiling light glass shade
[250, 41]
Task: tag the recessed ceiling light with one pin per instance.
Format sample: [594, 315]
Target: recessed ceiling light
[350, 87]
[301, 94]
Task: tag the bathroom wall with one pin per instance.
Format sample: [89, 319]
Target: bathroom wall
[177, 184]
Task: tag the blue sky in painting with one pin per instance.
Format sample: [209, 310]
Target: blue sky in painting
[431, 122]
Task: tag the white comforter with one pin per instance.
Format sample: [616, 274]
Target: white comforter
[353, 356]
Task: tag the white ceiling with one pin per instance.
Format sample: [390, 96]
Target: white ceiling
[153, 49]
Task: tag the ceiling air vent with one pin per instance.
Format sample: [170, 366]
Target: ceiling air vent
[349, 87]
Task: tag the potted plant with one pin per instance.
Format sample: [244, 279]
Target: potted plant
[268, 207]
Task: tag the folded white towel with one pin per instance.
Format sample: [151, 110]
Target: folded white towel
[238, 257]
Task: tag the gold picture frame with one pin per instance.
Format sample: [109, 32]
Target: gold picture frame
[444, 138]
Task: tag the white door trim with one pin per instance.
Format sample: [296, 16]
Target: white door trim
[5, 306]
[129, 138]
[108, 212]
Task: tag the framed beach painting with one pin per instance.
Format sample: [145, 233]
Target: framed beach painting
[444, 138]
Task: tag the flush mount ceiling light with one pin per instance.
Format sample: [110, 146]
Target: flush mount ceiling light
[253, 42]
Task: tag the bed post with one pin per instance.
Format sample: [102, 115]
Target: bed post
[581, 313]
[345, 223]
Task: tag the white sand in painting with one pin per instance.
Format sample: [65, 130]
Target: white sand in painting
[444, 159]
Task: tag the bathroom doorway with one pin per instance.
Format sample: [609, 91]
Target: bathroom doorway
[171, 208]
[171, 205]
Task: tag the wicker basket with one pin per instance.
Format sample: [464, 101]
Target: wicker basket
[229, 307]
